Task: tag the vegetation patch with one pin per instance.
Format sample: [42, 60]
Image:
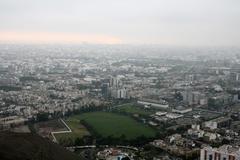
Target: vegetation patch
[105, 128]
[108, 124]
[10, 88]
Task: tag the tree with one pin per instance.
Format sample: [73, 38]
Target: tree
[87, 140]
[78, 142]
[178, 96]
[42, 116]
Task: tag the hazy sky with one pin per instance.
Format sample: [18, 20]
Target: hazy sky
[165, 22]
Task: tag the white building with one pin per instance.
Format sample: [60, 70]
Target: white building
[181, 110]
[114, 82]
[161, 113]
[121, 93]
[191, 97]
[195, 131]
[154, 104]
[173, 115]
[211, 124]
[218, 123]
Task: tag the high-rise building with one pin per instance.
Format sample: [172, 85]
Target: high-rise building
[105, 90]
[234, 76]
[191, 98]
[121, 94]
[196, 97]
[188, 97]
[114, 82]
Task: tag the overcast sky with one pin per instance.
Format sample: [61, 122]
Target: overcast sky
[165, 22]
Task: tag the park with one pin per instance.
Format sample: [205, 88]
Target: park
[105, 124]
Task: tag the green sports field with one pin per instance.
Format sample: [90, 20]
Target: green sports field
[109, 124]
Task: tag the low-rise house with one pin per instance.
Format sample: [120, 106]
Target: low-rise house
[8, 122]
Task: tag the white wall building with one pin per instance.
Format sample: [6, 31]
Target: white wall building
[156, 105]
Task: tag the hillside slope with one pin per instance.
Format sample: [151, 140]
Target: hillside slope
[27, 146]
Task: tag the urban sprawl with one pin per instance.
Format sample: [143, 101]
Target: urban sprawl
[123, 101]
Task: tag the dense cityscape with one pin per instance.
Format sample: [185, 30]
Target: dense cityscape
[124, 101]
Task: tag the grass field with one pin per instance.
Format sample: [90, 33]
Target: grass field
[132, 109]
[78, 130]
[106, 124]
[111, 124]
